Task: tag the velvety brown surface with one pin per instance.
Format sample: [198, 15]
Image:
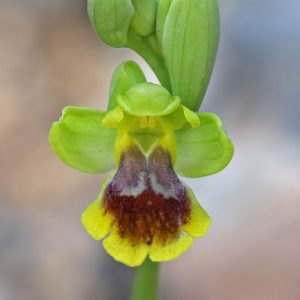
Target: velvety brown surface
[146, 198]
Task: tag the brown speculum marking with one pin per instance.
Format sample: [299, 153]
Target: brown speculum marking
[146, 198]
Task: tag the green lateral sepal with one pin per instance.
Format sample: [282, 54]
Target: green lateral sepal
[82, 142]
[204, 150]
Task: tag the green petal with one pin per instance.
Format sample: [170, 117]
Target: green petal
[80, 140]
[189, 42]
[204, 150]
[124, 77]
[113, 118]
[181, 116]
[191, 117]
[148, 99]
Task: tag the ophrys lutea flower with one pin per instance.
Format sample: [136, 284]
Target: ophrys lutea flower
[147, 137]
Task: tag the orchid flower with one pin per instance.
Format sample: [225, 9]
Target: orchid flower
[147, 138]
[151, 135]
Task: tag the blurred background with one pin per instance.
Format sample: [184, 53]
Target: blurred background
[50, 58]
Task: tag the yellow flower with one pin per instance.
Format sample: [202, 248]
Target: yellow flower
[143, 209]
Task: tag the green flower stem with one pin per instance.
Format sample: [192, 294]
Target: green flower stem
[145, 283]
[156, 61]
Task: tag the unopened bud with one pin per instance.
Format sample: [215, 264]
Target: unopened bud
[111, 20]
[189, 42]
[143, 21]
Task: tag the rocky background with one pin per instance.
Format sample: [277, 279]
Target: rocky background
[50, 58]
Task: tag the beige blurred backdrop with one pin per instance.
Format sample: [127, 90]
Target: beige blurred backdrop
[50, 58]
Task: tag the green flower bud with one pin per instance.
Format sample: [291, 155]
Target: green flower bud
[143, 21]
[177, 38]
[162, 11]
[190, 38]
[111, 20]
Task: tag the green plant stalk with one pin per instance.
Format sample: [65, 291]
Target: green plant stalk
[145, 284]
[149, 54]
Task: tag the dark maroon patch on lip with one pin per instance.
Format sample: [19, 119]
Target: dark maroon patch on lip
[147, 198]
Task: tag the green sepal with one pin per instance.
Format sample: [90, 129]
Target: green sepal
[126, 75]
[204, 150]
[143, 20]
[79, 139]
[111, 20]
[189, 44]
[148, 99]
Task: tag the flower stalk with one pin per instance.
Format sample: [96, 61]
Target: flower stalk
[155, 60]
[146, 279]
